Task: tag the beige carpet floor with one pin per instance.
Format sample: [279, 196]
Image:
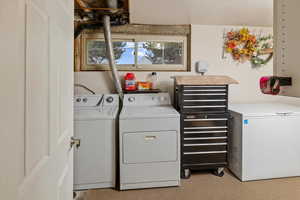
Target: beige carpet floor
[205, 186]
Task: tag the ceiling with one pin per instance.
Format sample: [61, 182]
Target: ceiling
[206, 12]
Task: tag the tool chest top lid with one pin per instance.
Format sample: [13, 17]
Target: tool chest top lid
[204, 80]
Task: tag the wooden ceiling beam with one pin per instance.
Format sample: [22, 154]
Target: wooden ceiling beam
[83, 5]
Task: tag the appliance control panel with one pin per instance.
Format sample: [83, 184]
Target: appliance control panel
[147, 99]
[96, 100]
[87, 100]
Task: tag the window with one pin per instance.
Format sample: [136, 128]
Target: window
[96, 52]
[136, 52]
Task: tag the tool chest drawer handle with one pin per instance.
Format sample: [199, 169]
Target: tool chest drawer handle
[211, 119]
[205, 100]
[212, 94]
[210, 127]
[208, 144]
[204, 152]
[203, 132]
[204, 106]
[205, 86]
[205, 90]
[206, 138]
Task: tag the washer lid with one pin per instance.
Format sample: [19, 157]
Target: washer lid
[93, 107]
[132, 112]
[103, 112]
[265, 109]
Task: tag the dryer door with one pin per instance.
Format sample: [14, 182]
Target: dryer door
[148, 147]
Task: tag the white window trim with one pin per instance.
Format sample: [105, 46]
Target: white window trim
[136, 38]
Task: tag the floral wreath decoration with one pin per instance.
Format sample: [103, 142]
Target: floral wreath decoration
[244, 46]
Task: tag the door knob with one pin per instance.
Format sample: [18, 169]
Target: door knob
[75, 142]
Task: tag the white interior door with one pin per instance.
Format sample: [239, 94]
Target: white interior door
[36, 116]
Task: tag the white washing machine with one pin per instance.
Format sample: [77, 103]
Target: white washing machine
[149, 142]
[95, 126]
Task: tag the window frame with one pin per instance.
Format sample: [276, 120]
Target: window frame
[84, 66]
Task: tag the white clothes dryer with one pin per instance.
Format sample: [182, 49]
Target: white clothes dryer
[149, 142]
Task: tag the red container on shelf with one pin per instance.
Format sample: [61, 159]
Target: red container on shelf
[130, 82]
[270, 85]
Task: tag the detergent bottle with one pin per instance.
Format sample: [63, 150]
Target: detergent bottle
[130, 82]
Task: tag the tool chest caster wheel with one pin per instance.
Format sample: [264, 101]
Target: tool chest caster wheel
[186, 174]
[219, 172]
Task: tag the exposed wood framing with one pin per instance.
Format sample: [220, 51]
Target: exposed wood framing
[82, 5]
[77, 54]
[89, 13]
[147, 29]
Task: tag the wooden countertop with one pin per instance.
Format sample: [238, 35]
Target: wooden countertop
[204, 80]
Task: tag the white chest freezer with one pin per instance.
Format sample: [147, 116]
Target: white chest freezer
[264, 141]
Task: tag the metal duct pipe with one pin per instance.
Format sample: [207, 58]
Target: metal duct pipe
[111, 55]
[112, 3]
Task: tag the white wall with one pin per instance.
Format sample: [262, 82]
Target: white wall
[207, 44]
[204, 12]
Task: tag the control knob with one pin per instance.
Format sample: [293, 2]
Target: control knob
[85, 100]
[131, 99]
[109, 99]
[78, 100]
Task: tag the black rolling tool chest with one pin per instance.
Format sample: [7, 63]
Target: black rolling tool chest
[204, 126]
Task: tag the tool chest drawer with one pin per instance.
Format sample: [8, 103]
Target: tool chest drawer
[205, 121]
[205, 147]
[204, 157]
[203, 99]
[188, 133]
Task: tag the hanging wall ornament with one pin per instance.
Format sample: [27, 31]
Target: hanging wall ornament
[245, 46]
